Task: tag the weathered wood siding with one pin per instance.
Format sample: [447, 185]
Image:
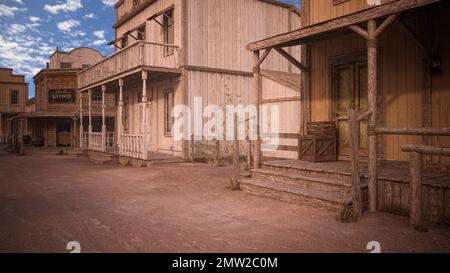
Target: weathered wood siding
[323, 10]
[289, 112]
[9, 82]
[220, 30]
[154, 31]
[401, 81]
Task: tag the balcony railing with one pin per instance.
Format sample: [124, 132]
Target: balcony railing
[95, 141]
[134, 56]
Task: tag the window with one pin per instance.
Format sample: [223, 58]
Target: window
[169, 36]
[14, 97]
[124, 42]
[66, 65]
[97, 95]
[168, 106]
[141, 33]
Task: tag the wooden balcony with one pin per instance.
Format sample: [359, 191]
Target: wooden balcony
[135, 57]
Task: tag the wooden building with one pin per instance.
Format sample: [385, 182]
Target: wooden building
[51, 118]
[13, 95]
[171, 51]
[380, 75]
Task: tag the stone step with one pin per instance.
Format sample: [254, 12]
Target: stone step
[77, 153]
[344, 176]
[293, 194]
[304, 181]
[103, 158]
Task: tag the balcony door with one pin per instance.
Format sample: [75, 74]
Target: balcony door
[350, 92]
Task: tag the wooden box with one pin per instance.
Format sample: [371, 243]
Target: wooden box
[320, 145]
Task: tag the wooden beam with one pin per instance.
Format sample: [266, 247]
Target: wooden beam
[359, 31]
[291, 59]
[354, 134]
[415, 214]
[413, 37]
[372, 68]
[264, 56]
[424, 131]
[257, 95]
[387, 22]
[410, 148]
[308, 32]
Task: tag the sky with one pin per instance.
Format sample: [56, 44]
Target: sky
[31, 30]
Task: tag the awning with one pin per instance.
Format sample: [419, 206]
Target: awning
[307, 33]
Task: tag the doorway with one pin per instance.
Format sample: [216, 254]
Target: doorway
[63, 133]
[350, 92]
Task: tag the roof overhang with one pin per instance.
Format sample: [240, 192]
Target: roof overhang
[311, 32]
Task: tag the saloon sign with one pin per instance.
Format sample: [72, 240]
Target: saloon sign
[61, 96]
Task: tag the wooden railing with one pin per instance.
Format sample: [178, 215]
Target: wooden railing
[110, 139]
[415, 172]
[416, 161]
[95, 141]
[85, 140]
[132, 146]
[133, 56]
[4, 138]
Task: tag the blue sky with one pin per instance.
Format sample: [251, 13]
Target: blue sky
[32, 29]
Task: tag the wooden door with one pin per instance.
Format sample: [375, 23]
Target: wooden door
[350, 92]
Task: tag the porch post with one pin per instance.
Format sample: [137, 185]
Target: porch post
[21, 150]
[1, 129]
[90, 118]
[103, 118]
[144, 114]
[257, 94]
[81, 122]
[372, 99]
[120, 118]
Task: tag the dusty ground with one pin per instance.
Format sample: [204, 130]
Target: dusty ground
[47, 201]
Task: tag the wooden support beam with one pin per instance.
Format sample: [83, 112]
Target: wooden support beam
[413, 37]
[81, 121]
[425, 131]
[235, 180]
[409, 148]
[387, 22]
[415, 214]
[257, 95]
[354, 134]
[359, 31]
[90, 118]
[372, 67]
[291, 59]
[103, 117]
[264, 56]
[365, 115]
[144, 116]
[120, 116]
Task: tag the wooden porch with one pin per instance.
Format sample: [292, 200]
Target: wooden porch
[136, 66]
[329, 184]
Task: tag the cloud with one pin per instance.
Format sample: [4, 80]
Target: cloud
[109, 3]
[99, 34]
[69, 5]
[67, 25]
[16, 28]
[9, 11]
[90, 16]
[34, 19]
[19, 2]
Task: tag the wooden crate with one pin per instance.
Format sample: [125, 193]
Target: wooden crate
[320, 145]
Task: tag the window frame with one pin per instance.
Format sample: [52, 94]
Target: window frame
[169, 37]
[14, 97]
[168, 119]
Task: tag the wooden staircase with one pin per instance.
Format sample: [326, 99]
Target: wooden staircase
[308, 183]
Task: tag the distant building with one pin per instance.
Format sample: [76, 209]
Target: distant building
[13, 95]
[51, 118]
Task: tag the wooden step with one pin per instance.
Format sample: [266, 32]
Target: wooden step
[304, 181]
[77, 153]
[103, 158]
[293, 194]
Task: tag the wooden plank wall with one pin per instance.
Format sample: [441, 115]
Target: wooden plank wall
[323, 10]
[9, 82]
[219, 31]
[400, 82]
[77, 57]
[154, 32]
[290, 115]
